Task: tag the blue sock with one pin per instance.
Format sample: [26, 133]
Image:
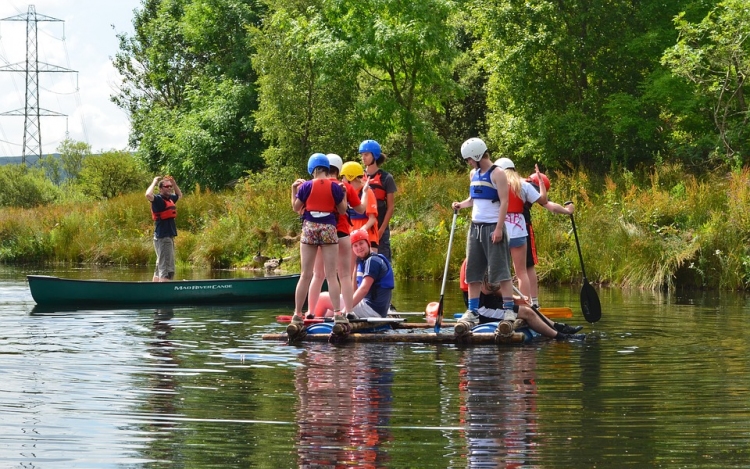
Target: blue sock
[473, 304]
[508, 303]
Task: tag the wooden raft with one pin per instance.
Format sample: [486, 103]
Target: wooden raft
[412, 338]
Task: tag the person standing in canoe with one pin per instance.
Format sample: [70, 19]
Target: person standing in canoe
[164, 212]
[540, 182]
[320, 201]
[487, 240]
[343, 226]
[384, 188]
[375, 280]
[353, 175]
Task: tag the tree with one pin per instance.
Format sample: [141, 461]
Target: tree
[189, 87]
[714, 55]
[52, 168]
[111, 174]
[405, 53]
[567, 79]
[307, 85]
[72, 154]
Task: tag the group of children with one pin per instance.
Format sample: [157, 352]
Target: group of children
[501, 231]
[345, 222]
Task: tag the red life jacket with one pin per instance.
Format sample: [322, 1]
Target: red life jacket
[170, 211]
[515, 204]
[376, 185]
[321, 197]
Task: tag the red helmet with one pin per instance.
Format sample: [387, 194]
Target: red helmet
[359, 235]
[533, 178]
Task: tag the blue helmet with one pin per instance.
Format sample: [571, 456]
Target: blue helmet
[372, 146]
[317, 159]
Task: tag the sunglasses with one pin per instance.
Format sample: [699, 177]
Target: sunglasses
[166, 187]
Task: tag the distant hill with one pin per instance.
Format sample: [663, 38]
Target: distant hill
[30, 160]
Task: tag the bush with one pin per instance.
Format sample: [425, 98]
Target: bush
[21, 186]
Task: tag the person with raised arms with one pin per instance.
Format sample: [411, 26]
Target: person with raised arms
[540, 182]
[164, 212]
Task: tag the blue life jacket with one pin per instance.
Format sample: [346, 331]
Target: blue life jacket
[481, 186]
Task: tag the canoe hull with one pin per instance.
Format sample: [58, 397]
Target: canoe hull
[55, 291]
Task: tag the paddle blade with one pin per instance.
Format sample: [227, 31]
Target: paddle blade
[590, 306]
[557, 312]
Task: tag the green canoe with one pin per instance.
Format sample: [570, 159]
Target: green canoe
[55, 291]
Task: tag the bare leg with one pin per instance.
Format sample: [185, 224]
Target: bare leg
[519, 264]
[316, 284]
[330, 259]
[533, 282]
[307, 264]
[344, 269]
[535, 322]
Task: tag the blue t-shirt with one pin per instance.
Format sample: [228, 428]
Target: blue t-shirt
[164, 228]
[338, 195]
[379, 296]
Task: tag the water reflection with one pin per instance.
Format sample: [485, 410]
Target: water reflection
[345, 404]
[498, 406]
[160, 387]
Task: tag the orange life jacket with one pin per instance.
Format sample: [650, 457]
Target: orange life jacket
[170, 211]
[321, 197]
[376, 185]
[515, 204]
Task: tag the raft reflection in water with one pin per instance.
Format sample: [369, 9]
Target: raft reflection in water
[344, 407]
[498, 406]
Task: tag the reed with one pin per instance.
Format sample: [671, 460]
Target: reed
[660, 229]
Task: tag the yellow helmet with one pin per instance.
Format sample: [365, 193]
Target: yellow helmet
[352, 170]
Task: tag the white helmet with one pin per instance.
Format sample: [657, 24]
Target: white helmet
[335, 161]
[473, 148]
[505, 163]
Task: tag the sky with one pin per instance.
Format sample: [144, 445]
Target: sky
[85, 41]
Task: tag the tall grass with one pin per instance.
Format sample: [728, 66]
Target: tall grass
[655, 230]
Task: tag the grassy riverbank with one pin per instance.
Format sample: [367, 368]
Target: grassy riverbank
[656, 230]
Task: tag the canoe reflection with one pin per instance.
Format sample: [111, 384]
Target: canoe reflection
[345, 404]
[498, 406]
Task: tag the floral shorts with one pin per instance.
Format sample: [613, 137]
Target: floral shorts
[318, 234]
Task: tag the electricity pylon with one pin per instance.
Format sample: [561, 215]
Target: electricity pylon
[32, 134]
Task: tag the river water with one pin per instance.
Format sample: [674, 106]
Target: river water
[663, 381]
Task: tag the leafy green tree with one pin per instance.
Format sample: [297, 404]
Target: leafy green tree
[52, 167]
[405, 53]
[111, 174]
[307, 85]
[567, 80]
[188, 85]
[72, 154]
[714, 55]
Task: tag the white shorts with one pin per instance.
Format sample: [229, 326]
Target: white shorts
[499, 314]
[363, 310]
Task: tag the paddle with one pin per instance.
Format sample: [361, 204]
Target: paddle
[439, 317]
[590, 306]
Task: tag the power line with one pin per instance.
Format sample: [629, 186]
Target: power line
[32, 135]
